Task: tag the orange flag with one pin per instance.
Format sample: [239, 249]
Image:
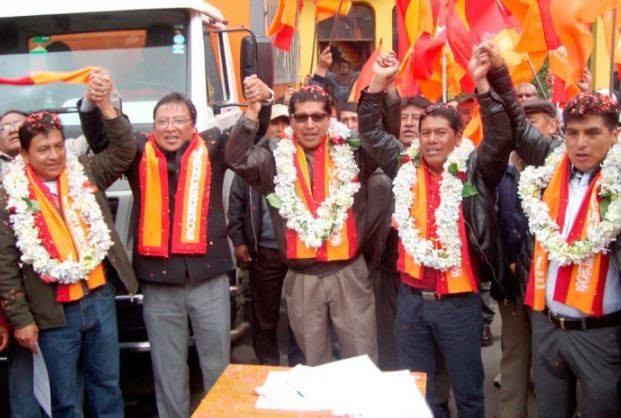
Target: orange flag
[284, 24]
[46, 77]
[571, 20]
[366, 74]
[328, 8]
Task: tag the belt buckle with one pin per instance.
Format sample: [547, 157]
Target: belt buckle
[561, 322]
[428, 295]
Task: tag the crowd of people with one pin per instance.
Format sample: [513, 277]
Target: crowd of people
[387, 232]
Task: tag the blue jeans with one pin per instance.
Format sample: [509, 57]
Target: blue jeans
[88, 341]
[454, 326]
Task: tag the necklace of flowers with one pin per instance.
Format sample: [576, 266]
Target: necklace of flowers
[332, 212]
[533, 180]
[93, 247]
[452, 190]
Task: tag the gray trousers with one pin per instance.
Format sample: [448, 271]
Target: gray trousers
[342, 301]
[560, 358]
[166, 311]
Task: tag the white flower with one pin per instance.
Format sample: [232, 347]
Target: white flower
[420, 249]
[92, 248]
[332, 212]
[600, 234]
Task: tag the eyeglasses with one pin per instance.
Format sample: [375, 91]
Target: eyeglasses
[176, 122]
[303, 117]
[6, 127]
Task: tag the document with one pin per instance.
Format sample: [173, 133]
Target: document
[41, 382]
[351, 387]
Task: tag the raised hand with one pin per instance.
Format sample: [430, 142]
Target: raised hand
[585, 82]
[324, 62]
[479, 66]
[493, 51]
[255, 93]
[385, 68]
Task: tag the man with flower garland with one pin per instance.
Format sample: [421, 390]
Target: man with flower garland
[444, 193]
[181, 252]
[60, 258]
[568, 266]
[315, 181]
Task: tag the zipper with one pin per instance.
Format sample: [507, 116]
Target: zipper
[254, 233]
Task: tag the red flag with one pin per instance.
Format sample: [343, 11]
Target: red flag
[366, 74]
[285, 22]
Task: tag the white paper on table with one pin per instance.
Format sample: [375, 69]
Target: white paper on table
[41, 382]
[280, 391]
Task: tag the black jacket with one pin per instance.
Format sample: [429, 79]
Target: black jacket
[175, 269]
[485, 169]
[245, 215]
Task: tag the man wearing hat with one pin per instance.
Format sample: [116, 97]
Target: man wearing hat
[542, 115]
[251, 231]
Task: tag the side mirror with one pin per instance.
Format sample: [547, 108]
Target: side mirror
[256, 58]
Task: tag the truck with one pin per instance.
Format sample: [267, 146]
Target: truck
[151, 48]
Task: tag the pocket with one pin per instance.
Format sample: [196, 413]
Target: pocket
[108, 290]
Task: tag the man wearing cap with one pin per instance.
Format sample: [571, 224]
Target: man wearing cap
[542, 115]
[252, 233]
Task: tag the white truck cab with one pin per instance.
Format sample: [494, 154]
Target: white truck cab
[151, 48]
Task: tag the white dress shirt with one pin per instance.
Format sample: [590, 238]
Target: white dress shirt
[578, 186]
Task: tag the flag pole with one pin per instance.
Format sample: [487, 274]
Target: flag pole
[336, 16]
[536, 77]
[314, 51]
[444, 83]
[613, 48]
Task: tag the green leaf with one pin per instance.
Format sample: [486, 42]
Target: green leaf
[603, 206]
[354, 143]
[33, 205]
[469, 190]
[274, 200]
[452, 168]
[416, 160]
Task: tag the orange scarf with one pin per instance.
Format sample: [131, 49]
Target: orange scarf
[312, 198]
[580, 286]
[455, 280]
[60, 241]
[189, 232]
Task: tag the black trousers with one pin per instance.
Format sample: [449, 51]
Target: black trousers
[590, 357]
[267, 273]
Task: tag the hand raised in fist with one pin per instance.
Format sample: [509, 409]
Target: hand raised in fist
[385, 68]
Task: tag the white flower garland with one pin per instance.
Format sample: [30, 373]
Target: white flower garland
[422, 250]
[533, 180]
[332, 212]
[92, 248]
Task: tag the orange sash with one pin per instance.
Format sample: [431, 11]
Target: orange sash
[59, 240]
[580, 286]
[312, 198]
[456, 280]
[189, 232]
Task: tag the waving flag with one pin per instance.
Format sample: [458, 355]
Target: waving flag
[328, 8]
[284, 24]
[46, 77]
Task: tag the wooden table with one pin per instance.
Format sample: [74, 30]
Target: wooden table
[233, 394]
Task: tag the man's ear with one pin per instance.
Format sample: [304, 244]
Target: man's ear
[459, 135]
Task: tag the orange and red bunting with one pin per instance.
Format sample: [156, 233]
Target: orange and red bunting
[46, 77]
[584, 293]
[457, 280]
[313, 194]
[189, 235]
[57, 238]
[285, 23]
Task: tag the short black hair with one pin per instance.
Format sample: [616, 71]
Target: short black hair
[38, 123]
[10, 111]
[416, 101]
[587, 104]
[348, 107]
[311, 93]
[177, 98]
[445, 111]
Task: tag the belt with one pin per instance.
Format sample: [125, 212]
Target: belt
[572, 324]
[432, 294]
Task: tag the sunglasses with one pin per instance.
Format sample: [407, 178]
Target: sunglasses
[303, 117]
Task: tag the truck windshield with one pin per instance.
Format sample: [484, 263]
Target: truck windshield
[146, 53]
